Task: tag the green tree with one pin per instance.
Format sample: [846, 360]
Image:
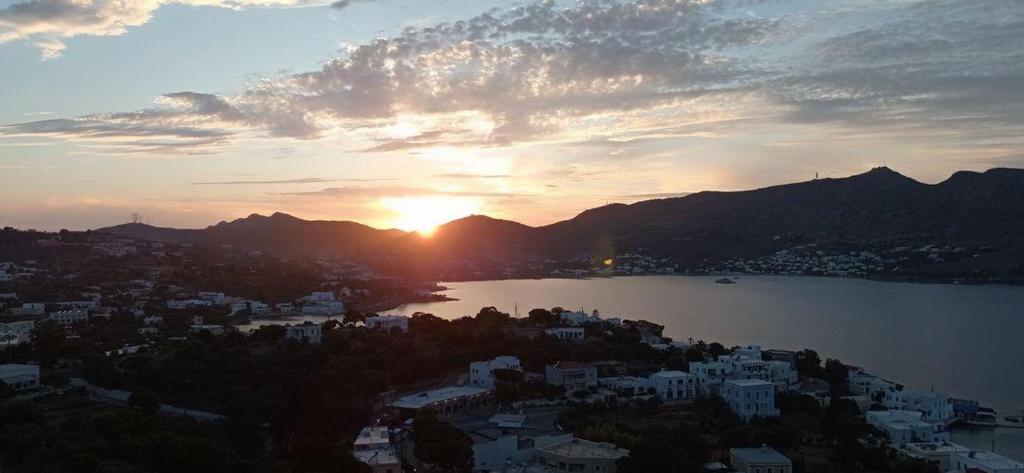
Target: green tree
[542, 317]
[353, 317]
[808, 364]
[441, 445]
[837, 375]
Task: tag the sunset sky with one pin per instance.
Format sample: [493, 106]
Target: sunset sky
[406, 113]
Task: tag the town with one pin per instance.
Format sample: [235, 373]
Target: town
[556, 390]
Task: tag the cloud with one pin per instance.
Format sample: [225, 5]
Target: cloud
[342, 4]
[305, 180]
[46, 23]
[614, 74]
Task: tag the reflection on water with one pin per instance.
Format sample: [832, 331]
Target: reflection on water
[1007, 442]
[965, 340]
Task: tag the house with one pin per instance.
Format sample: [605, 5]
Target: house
[33, 308]
[326, 308]
[326, 296]
[307, 332]
[750, 398]
[445, 401]
[504, 442]
[581, 455]
[710, 376]
[568, 334]
[16, 333]
[69, 317]
[627, 386]
[933, 406]
[903, 427]
[257, 308]
[182, 304]
[572, 375]
[373, 448]
[674, 385]
[84, 305]
[20, 377]
[215, 298]
[862, 382]
[939, 453]
[481, 373]
[984, 462]
[387, 323]
[285, 307]
[759, 460]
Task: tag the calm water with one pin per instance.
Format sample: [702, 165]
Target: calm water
[965, 340]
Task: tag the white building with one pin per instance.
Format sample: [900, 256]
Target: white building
[328, 308]
[308, 332]
[710, 376]
[70, 317]
[445, 401]
[182, 304]
[481, 373]
[16, 333]
[940, 454]
[903, 427]
[20, 377]
[387, 322]
[84, 305]
[862, 382]
[674, 385]
[325, 296]
[581, 455]
[627, 386]
[985, 462]
[759, 460]
[750, 398]
[572, 375]
[373, 447]
[215, 298]
[568, 334]
[933, 406]
[33, 308]
[257, 308]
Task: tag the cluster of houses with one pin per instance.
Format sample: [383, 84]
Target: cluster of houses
[529, 440]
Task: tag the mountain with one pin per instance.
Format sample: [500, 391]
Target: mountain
[279, 232]
[877, 208]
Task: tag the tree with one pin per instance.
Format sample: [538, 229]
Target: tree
[145, 401]
[837, 375]
[353, 317]
[679, 450]
[808, 364]
[491, 315]
[542, 317]
[441, 445]
[48, 342]
[716, 350]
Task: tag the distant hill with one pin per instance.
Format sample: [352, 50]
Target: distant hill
[878, 207]
[279, 232]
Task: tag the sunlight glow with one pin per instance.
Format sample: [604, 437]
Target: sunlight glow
[425, 214]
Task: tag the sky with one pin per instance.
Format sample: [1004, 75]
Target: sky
[408, 113]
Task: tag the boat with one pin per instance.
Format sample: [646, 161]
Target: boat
[725, 281]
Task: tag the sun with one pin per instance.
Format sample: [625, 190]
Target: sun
[424, 214]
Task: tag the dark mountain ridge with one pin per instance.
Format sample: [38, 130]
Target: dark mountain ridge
[875, 207]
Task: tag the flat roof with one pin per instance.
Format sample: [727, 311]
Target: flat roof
[426, 398]
[383, 456]
[760, 455]
[17, 370]
[991, 460]
[749, 382]
[933, 447]
[373, 436]
[579, 448]
[671, 374]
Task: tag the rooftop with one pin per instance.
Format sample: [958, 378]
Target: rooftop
[17, 370]
[760, 455]
[385, 456]
[579, 448]
[932, 447]
[373, 436]
[426, 398]
[993, 461]
[749, 382]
